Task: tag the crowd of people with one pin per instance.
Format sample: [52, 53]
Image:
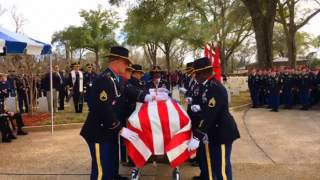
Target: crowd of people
[287, 87]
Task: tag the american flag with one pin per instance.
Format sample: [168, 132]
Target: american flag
[164, 128]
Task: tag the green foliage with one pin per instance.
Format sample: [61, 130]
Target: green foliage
[303, 42]
[98, 27]
[96, 33]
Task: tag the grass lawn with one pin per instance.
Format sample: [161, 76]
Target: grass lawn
[243, 98]
[67, 116]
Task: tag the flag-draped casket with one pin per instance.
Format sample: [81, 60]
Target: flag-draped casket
[163, 128]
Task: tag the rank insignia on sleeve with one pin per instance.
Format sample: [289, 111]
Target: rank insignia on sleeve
[103, 96]
[212, 102]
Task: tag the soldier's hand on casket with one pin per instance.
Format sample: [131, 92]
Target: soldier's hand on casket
[193, 144]
[162, 97]
[189, 100]
[195, 108]
[183, 90]
[128, 134]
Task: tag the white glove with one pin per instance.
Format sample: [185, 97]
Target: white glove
[163, 90]
[128, 134]
[162, 97]
[189, 100]
[193, 144]
[195, 108]
[149, 98]
[183, 90]
[159, 90]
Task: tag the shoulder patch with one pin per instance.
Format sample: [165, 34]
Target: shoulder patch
[212, 102]
[103, 96]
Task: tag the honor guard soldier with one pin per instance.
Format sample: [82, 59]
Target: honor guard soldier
[76, 87]
[274, 91]
[89, 77]
[136, 82]
[304, 85]
[156, 80]
[102, 127]
[253, 84]
[217, 130]
[287, 85]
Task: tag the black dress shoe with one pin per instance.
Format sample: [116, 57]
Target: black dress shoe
[196, 178]
[122, 178]
[11, 136]
[128, 164]
[21, 133]
[7, 140]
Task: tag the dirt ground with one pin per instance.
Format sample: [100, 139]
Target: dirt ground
[273, 146]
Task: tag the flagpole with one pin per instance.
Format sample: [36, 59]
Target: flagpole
[51, 94]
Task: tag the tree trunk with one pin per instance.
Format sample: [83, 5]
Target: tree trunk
[263, 16]
[292, 50]
[97, 60]
[263, 35]
[167, 52]
[224, 62]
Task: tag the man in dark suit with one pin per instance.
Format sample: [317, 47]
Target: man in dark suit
[217, 129]
[23, 89]
[76, 87]
[56, 85]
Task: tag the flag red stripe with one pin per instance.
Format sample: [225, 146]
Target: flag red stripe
[178, 139]
[164, 120]
[181, 158]
[146, 126]
[135, 155]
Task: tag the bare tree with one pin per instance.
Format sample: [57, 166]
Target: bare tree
[292, 21]
[18, 19]
[2, 10]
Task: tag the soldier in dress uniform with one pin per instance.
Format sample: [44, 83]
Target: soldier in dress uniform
[253, 84]
[156, 80]
[102, 127]
[89, 77]
[76, 87]
[274, 91]
[314, 87]
[23, 88]
[136, 82]
[305, 87]
[287, 88]
[217, 130]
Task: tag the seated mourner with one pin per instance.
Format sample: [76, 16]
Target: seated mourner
[6, 117]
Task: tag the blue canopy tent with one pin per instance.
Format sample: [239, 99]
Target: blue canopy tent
[14, 43]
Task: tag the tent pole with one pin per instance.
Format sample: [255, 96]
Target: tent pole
[51, 94]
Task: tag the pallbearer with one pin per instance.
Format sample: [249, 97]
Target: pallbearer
[157, 81]
[217, 130]
[89, 77]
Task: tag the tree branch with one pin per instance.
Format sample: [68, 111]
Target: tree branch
[301, 24]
